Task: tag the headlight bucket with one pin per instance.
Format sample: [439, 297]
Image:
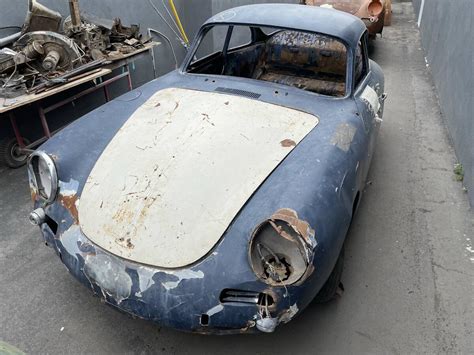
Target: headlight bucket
[375, 8]
[278, 252]
[43, 176]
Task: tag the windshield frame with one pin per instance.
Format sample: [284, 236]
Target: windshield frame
[350, 62]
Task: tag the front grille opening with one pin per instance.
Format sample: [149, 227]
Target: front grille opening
[51, 224]
[204, 320]
[265, 299]
[247, 297]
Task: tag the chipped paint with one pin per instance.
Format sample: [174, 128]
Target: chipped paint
[69, 203]
[300, 226]
[67, 197]
[145, 279]
[289, 314]
[68, 188]
[215, 310]
[109, 274]
[288, 143]
[182, 275]
[343, 136]
[371, 98]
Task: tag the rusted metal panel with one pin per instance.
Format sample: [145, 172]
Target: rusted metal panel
[324, 87]
[374, 13]
[168, 185]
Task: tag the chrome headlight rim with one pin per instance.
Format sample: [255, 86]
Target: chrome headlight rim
[33, 170]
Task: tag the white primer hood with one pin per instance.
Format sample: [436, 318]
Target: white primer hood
[171, 181]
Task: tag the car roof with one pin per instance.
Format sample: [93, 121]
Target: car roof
[308, 18]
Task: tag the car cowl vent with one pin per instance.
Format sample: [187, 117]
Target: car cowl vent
[252, 95]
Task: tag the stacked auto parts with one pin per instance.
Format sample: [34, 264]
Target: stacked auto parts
[44, 50]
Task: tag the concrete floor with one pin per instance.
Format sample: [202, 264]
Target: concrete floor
[409, 264]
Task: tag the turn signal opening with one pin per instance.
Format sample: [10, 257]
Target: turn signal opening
[204, 320]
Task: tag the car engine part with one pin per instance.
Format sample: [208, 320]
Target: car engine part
[41, 18]
[61, 52]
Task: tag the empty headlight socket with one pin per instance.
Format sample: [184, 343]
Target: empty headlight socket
[280, 250]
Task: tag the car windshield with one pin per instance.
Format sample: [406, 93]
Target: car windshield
[309, 61]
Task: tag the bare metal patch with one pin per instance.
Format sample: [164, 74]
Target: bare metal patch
[344, 136]
[109, 275]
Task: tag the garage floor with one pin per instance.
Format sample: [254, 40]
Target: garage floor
[409, 261]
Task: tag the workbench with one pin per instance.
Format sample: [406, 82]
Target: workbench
[17, 148]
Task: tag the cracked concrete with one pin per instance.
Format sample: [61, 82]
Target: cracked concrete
[409, 263]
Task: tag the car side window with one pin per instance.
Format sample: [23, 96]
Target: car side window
[212, 42]
[241, 36]
[361, 61]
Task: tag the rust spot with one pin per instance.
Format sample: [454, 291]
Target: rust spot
[250, 324]
[34, 195]
[123, 215]
[69, 203]
[288, 143]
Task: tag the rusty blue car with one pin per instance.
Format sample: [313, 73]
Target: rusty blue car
[217, 198]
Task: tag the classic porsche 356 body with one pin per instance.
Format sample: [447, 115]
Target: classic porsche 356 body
[217, 198]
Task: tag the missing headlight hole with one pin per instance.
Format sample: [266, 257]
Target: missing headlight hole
[51, 224]
[278, 252]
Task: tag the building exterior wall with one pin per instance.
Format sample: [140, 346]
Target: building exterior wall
[446, 30]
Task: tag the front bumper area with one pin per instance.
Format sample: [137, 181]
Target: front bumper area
[185, 299]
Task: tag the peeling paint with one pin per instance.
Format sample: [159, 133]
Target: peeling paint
[110, 275]
[67, 197]
[301, 227]
[68, 188]
[370, 96]
[289, 314]
[145, 279]
[182, 275]
[215, 310]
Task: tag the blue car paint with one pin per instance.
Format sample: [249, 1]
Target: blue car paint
[318, 180]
